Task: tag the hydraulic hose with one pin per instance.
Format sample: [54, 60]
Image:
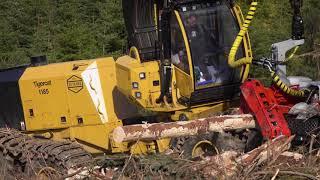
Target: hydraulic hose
[285, 88]
[293, 53]
[277, 80]
[235, 47]
[282, 85]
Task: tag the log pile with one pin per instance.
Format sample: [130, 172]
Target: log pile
[270, 159]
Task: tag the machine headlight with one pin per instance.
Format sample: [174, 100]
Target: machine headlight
[138, 95]
[142, 75]
[135, 85]
[22, 126]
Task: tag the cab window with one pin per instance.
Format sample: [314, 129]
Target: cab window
[211, 31]
[179, 56]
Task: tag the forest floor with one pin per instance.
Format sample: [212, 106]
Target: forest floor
[273, 160]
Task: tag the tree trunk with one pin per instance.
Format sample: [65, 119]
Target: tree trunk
[181, 129]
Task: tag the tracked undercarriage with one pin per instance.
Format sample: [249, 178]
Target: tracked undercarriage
[31, 155]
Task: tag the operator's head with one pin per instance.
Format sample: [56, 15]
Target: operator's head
[192, 20]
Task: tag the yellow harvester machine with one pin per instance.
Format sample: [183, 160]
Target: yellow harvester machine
[183, 64]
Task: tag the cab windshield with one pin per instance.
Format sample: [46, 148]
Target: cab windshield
[211, 30]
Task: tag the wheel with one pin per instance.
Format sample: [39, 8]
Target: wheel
[203, 148]
[194, 146]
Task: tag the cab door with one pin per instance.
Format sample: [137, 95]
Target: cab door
[181, 57]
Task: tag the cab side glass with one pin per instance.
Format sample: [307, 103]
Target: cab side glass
[211, 32]
[179, 56]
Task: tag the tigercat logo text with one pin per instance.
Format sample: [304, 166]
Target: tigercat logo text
[75, 84]
[40, 84]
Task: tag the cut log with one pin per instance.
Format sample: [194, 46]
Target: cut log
[182, 128]
[268, 151]
[227, 165]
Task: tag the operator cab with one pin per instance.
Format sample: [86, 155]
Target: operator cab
[210, 29]
[196, 36]
[207, 30]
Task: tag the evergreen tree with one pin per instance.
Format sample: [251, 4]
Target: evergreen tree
[67, 30]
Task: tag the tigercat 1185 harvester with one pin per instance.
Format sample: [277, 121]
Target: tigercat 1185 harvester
[188, 65]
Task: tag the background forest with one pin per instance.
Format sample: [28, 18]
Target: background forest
[67, 30]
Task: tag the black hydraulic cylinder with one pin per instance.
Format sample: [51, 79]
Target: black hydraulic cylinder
[297, 21]
[165, 44]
